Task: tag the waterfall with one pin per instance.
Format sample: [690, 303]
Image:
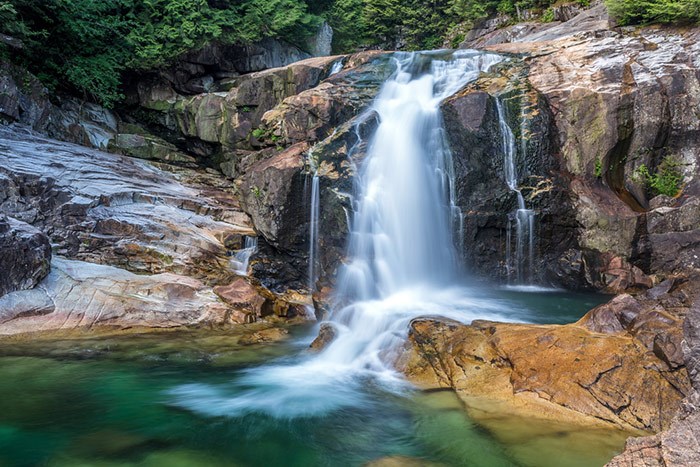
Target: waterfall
[401, 258]
[519, 266]
[401, 250]
[337, 67]
[406, 215]
[242, 257]
[313, 231]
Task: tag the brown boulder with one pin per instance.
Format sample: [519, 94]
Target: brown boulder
[272, 194]
[245, 300]
[622, 363]
[326, 335]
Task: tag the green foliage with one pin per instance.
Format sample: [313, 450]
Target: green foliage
[548, 15]
[598, 170]
[85, 46]
[416, 24]
[655, 11]
[348, 23]
[667, 179]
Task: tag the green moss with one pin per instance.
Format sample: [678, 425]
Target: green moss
[666, 180]
[598, 171]
[258, 133]
[257, 192]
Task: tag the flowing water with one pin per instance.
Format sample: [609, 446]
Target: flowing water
[402, 261]
[519, 265]
[240, 261]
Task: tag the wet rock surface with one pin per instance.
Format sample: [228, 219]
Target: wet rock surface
[617, 100]
[87, 296]
[108, 209]
[623, 363]
[326, 334]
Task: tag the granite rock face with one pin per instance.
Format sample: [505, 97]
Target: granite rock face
[88, 296]
[134, 245]
[619, 100]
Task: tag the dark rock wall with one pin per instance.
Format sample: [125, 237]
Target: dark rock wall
[25, 255]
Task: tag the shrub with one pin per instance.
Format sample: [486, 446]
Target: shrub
[654, 11]
[667, 179]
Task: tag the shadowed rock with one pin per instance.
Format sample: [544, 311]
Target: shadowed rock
[25, 255]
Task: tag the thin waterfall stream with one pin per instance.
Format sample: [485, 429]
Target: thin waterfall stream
[519, 266]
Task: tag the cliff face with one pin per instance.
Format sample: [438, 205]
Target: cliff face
[608, 103]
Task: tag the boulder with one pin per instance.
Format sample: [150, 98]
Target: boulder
[326, 334]
[272, 193]
[145, 146]
[82, 123]
[244, 298]
[79, 295]
[623, 363]
[231, 108]
[25, 255]
[23, 99]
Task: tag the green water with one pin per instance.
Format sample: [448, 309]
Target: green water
[106, 402]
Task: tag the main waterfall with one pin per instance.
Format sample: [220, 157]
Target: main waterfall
[402, 232]
[402, 256]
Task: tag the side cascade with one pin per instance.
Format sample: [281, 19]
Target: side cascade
[315, 211]
[240, 260]
[519, 264]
